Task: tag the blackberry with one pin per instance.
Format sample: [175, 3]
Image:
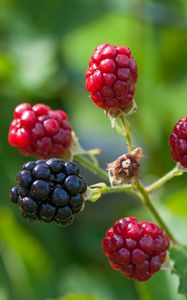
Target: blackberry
[136, 249]
[178, 142]
[73, 184]
[24, 178]
[41, 171]
[14, 194]
[77, 202]
[40, 189]
[71, 168]
[56, 165]
[50, 191]
[40, 131]
[60, 197]
[28, 205]
[111, 78]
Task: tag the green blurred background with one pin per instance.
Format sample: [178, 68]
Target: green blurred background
[44, 50]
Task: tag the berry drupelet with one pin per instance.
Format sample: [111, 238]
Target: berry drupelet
[178, 142]
[136, 249]
[50, 190]
[40, 131]
[111, 78]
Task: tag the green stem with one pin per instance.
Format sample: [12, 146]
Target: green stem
[117, 189]
[143, 195]
[147, 202]
[127, 130]
[92, 167]
[158, 183]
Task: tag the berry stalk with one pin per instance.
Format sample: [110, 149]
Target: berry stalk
[161, 181]
[141, 191]
[110, 190]
[144, 196]
[92, 167]
[127, 131]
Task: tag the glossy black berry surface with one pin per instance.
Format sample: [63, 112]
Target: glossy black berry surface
[50, 191]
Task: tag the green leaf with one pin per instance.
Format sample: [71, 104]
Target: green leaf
[78, 297]
[183, 284]
[179, 256]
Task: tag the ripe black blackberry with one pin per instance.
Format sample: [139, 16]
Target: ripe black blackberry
[50, 190]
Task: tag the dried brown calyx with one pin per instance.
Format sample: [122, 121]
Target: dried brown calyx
[125, 168]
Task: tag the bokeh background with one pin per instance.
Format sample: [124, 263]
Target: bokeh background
[44, 49]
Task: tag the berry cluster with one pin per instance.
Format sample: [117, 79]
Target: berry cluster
[111, 78]
[178, 142]
[136, 249]
[40, 131]
[50, 190]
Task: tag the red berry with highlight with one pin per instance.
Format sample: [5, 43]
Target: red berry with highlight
[40, 131]
[111, 78]
[136, 249]
[178, 142]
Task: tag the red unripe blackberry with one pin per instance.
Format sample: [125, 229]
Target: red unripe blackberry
[178, 142]
[111, 78]
[40, 131]
[136, 249]
[50, 191]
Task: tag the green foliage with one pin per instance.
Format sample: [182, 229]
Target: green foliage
[78, 297]
[177, 202]
[15, 239]
[179, 257]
